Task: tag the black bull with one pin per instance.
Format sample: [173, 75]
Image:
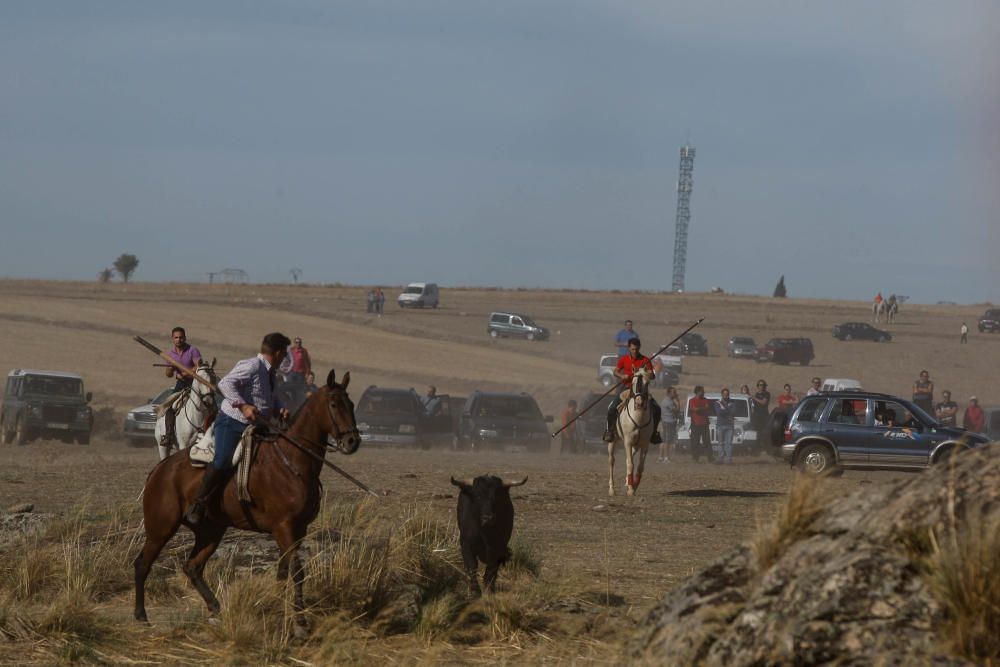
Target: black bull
[485, 524]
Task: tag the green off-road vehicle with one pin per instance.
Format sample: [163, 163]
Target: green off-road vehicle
[48, 404]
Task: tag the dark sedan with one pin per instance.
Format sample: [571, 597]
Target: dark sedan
[860, 331]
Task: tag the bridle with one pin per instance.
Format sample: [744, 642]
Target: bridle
[643, 391]
[337, 434]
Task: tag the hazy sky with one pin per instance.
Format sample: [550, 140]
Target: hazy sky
[852, 146]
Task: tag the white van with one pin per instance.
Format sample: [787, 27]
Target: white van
[841, 384]
[419, 295]
[743, 434]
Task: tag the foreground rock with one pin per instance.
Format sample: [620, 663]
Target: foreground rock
[847, 590]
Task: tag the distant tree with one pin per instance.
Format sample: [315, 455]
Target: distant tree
[105, 275]
[295, 274]
[779, 289]
[126, 265]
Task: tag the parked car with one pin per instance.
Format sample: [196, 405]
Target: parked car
[665, 377]
[393, 416]
[990, 321]
[140, 422]
[38, 404]
[992, 415]
[786, 351]
[506, 325]
[744, 437]
[592, 424]
[419, 295]
[741, 347]
[827, 433]
[693, 344]
[502, 421]
[860, 331]
[841, 384]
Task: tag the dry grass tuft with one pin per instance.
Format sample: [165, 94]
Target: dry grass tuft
[963, 570]
[525, 559]
[255, 624]
[793, 523]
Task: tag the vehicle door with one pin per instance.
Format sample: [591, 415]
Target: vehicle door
[439, 421]
[898, 439]
[517, 326]
[500, 323]
[848, 426]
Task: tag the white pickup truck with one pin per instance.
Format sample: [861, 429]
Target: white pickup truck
[744, 437]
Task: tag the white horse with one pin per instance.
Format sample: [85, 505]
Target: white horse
[635, 427]
[891, 310]
[192, 406]
[878, 310]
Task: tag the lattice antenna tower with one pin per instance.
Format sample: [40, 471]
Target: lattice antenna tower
[685, 183]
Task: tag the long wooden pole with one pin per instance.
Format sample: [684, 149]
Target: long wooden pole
[173, 362]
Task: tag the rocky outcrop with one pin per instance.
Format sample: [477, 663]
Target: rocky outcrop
[848, 590]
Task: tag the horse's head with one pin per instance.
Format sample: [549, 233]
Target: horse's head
[640, 386]
[340, 424]
[206, 371]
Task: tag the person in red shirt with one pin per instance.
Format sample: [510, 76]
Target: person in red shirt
[974, 419]
[570, 434]
[625, 371]
[787, 400]
[699, 410]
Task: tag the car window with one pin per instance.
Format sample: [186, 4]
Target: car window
[414, 289]
[52, 386]
[849, 411]
[386, 403]
[513, 407]
[811, 410]
[609, 361]
[497, 318]
[516, 321]
[889, 414]
[741, 407]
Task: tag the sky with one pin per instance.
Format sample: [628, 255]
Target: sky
[851, 147]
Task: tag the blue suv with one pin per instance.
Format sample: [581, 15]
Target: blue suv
[827, 433]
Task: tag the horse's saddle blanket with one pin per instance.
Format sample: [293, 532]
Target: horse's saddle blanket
[174, 400]
[624, 396]
[202, 452]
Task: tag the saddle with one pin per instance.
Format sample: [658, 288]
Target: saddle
[202, 453]
[174, 401]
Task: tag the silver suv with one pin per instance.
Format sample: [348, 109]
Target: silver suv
[506, 325]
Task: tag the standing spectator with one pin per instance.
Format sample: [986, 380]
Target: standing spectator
[671, 409]
[623, 337]
[311, 387]
[371, 301]
[570, 434]
[380, 297]
[760, 408]
[300, 361]
[745, 390]
[947, 410]
[787, 400]
[923, 393]
[724, 412]
[701, 441]
[974, 419]
[965, 333]
[432, 402]
[815, 388]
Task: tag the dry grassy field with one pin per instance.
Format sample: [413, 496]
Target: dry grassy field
[588, 566]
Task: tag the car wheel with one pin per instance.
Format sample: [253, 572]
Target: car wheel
[493, 334]
[775, 435]
[20, 432]
[816, 460]
[848, 337]
[883, 339]
[530, 336]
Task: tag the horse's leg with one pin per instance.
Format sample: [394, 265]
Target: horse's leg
[143, 563]
[288, 538]
[611, 468]
[206, 540]
[490, 576]
[641, 464]
[630, 443]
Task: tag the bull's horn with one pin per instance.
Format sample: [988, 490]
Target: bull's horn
[462, 482]
[507, 485]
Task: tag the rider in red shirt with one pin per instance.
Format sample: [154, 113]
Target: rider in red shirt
[625, 371]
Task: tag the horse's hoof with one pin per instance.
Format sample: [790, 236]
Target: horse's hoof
[630, 491]
[141, 617]
[214, 620]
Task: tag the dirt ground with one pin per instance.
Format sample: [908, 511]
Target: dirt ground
[635, 548]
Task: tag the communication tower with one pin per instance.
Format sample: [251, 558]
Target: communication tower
[685, 183]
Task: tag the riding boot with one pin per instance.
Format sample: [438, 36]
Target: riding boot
[212, 478]
[169, 436]
[656, 438]
[609, 434]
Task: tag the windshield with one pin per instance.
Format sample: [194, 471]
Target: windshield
[386, 404]
[527, 320]
[414, 289]
[53, 386]
[512, 407]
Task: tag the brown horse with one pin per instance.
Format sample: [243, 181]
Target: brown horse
[284, 481]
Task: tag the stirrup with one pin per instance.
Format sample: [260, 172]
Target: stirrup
[195, 513]
[608, 436]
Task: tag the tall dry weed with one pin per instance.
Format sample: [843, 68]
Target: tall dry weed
[792, 524]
